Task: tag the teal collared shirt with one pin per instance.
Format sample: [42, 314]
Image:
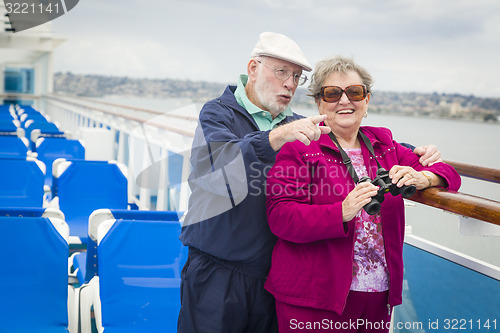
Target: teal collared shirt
[264, 120]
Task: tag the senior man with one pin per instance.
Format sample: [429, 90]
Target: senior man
[226, 230]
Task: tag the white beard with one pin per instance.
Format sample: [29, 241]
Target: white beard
[268, 99]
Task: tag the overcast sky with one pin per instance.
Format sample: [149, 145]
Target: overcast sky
[444, 46]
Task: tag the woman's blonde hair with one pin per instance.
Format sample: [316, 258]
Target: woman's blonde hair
[326, 67]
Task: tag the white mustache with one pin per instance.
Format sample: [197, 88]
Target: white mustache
[286, 93]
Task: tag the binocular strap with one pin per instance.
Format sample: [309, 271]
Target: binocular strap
[345, 158]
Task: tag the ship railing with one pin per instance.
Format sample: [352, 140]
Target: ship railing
[444, 266]
[145, 137]
[154, 145]
[477, 216]
[464, 204]
[18, 97]
[15, 95]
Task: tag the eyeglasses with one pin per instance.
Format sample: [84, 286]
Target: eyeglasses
[332, 94]
[284, 74]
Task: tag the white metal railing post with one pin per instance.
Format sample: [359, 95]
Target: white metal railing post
[120, 156]
[144, 191]
[163, 181]
[184, 189]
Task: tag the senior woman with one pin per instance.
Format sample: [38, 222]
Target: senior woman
[335, 266]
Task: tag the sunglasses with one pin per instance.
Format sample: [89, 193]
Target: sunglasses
[332, 94]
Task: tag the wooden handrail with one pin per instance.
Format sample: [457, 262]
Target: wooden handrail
[19, 95]
[460, 203]
[477, 172]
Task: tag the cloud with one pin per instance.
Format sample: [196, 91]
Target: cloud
[117, 57]
[212, 40]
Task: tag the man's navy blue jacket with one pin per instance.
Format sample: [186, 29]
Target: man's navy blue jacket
[227, 208]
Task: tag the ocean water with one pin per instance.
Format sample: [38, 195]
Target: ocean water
[458, 140]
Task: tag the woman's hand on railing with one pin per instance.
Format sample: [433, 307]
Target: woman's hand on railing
[428, 155]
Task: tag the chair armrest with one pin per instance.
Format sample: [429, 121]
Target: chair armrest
[89, 297]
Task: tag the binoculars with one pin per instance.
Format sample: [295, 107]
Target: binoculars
[385, 185]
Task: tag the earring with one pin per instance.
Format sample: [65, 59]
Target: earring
[366, 114]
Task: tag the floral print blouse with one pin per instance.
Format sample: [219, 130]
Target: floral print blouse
[369, 270]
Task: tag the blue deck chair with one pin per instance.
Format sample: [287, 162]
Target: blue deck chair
[28, 118]
[31, 212]
[50, 149]
[7, 124]
[4, 108]
[41, 128]
[140, 263]
[83, 186]
[78, 262]
[21, 182]
[80, 259]
[12, 146]
[25, 108]
[34, 293]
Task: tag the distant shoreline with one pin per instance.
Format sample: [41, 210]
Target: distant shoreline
[441, 106]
